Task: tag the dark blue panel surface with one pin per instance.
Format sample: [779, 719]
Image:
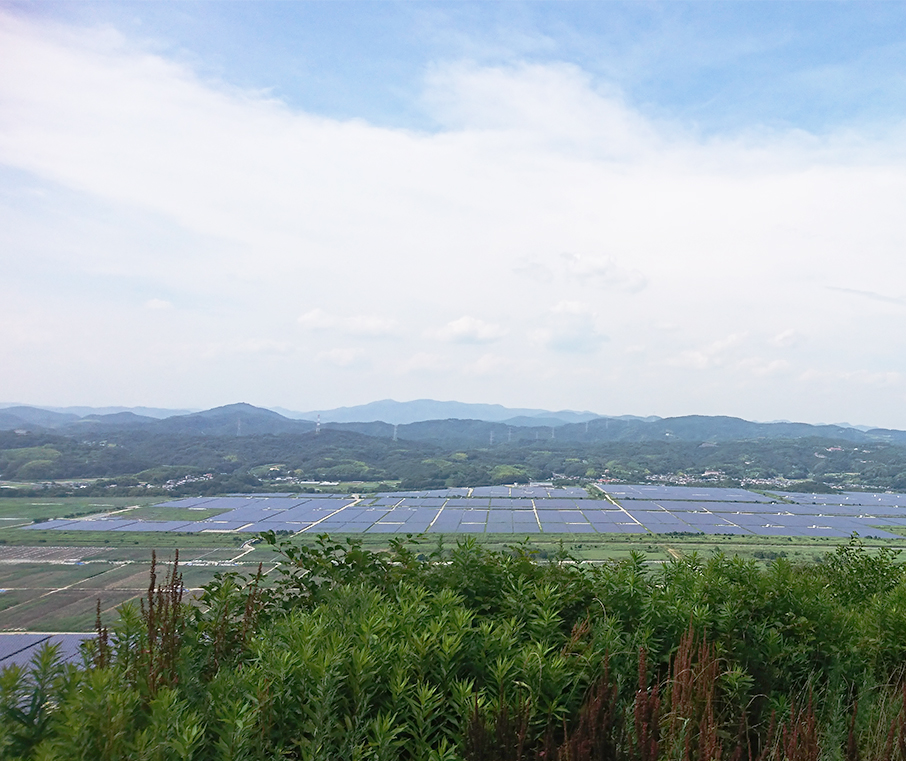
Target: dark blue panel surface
[159, 526]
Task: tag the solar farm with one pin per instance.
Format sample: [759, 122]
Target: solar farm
[618, 509]
[54, 570]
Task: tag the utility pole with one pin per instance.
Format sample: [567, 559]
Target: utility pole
[318, 426]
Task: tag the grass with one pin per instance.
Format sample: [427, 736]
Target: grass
[604, 547]
[150, 539]
[360, 487]
[162, 513]
[35, 508]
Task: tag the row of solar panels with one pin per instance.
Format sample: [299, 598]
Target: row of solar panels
[617, 491]
[18, 649]
[456, 516]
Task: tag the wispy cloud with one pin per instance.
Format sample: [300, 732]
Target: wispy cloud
[340, 357]
[362, 325]
[603, 271]
[470, 330]
[158, 304]
[898, 300]
[571, 327]
[708, 356]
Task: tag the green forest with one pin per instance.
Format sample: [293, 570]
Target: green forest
[132, 463]
[432, 652]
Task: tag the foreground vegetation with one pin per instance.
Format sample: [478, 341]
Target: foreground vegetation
[469, 653]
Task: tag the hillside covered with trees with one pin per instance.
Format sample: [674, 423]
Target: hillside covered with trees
[133, 462]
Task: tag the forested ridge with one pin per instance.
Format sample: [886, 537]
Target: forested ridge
[143, 462]
[464, 653]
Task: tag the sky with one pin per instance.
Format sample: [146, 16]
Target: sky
[630, 208]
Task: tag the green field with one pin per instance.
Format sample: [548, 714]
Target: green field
[61, 537]
[604, 547]
[34, 509]
[162, 513]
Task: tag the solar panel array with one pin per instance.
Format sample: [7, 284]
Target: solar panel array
[663, 491]
[629, 509]
[18, 649]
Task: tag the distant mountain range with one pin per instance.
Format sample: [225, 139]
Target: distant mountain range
[385, 411]
[502, 427]
[401, 413]
[154, 412]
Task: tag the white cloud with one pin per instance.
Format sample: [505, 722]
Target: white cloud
[600, 272]
[424, 362]
[248, 346]
[470, 330]
[786, 339]
[571, 327]
[604, 271]
[340, 357]
[709, 356]
[760, 366]
[488, 364]
[158, 304]
[370, 325]
[554, 103]
[353, 325]
[873, 295]
[317, 319]
[142, 177]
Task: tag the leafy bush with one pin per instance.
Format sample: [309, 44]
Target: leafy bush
[464, 653]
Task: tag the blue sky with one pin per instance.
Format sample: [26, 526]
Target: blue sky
[711, 65]
[648, 208]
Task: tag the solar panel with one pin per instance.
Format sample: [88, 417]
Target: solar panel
[57, 523]
[187, 502]
[659, 507]
[158, 526]
[555, 504]
[660, 491]
[510, 504]
[105, 525]
[216, 526]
